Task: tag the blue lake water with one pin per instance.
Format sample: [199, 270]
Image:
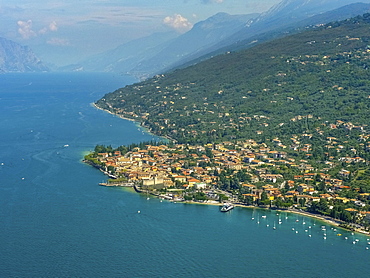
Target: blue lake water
[57, 222]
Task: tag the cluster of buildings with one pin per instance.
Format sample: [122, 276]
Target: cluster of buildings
[272, 173]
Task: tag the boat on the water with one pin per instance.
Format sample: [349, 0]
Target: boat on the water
[226, 207]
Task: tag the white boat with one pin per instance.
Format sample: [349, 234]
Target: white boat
[226, 207]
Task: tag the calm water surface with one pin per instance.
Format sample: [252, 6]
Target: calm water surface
[57, 222]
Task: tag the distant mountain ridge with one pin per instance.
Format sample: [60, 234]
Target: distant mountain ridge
[288, 11]
[216, 35]
[203, 35]
[259, 92]
[125, 57]
[341, 13]
[145, 56]
[18, 58]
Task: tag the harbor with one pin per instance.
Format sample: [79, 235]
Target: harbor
[117, 184]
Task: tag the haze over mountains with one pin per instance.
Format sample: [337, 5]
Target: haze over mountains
[17, 58]
[218, 34]
[158, 51]
[284, 19]
[260, 92]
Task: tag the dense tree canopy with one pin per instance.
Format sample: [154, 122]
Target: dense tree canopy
[259, 92]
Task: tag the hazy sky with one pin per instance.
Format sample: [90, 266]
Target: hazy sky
[63, 31]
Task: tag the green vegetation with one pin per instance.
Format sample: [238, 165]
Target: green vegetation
[258, 93]
[282, 124]
[255, 174]
[92, 159]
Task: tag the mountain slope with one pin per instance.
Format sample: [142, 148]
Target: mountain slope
[341, 13]
[126, 56]
[218, 34]
[288, 12]
[17, 58]
[203, 35]
[287, 17]
[152, 54]
[259, 91]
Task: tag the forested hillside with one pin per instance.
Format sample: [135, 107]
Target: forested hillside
[291, 85]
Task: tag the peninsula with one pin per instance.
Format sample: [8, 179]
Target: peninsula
[246, 173]
[281, 125]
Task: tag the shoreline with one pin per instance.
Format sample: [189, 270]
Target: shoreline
[326, 219]
[110, 112]
[137, 123]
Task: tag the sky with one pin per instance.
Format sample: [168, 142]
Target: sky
[63, 32]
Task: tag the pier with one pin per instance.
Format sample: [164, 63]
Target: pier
[120, 184]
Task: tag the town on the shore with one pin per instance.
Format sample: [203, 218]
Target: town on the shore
[246, 172]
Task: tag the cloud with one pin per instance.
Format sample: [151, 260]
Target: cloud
[58, 42]
[53, 27]
[25, 29]
[178, 22]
